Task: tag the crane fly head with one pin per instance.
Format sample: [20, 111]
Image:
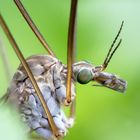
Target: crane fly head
[85, 72]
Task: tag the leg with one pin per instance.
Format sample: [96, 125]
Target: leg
[4, 98]
[70, 53]
[72, 115]
[4, 56]
[29, 73]
[33, 26]
[73, 109]
[60, 91]
[7, 67]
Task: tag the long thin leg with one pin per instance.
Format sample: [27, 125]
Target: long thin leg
[7, 68]
[73, 109]
[29, 73]
[73, 105]
[6, 63]
[33, 26]
[70, 52]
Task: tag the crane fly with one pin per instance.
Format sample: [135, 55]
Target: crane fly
[42, 83]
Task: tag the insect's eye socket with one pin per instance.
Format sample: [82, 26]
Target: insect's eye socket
[84, 76]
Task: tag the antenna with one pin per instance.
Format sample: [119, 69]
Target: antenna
[111, 52]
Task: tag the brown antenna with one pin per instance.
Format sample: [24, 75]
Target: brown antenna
[111, 52]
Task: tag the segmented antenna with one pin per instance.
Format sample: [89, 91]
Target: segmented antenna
[110, 52]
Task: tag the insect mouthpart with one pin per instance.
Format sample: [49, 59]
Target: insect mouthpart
[111, 81]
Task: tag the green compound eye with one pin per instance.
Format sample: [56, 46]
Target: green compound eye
[84, 76]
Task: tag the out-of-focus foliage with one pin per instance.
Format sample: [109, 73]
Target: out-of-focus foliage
[102, 114]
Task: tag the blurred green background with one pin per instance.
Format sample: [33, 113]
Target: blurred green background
[102, 114]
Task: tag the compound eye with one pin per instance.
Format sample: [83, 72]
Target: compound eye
[84, 76]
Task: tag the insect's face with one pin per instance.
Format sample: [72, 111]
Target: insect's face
[85, 72]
